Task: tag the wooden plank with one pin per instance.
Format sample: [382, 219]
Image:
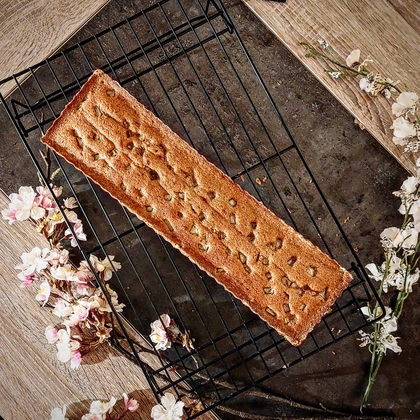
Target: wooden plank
[32, 30]
[32, 380]
[385, 30]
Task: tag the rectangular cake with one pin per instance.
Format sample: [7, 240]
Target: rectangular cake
[113, 139]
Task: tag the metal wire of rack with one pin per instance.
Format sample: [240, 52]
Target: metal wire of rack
[186, 62]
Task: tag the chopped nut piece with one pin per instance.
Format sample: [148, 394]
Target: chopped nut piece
[194, 230]
[253, 225]
[203, 247]
[271, 246]
[291, 261]
[201, 217]
[241, 257]
[169, 225]
[270, 311]
[220, 270]
[286, 307]
[313, 293]
[181, 195]
[149, 209]
[168, 197]
[113, 153]
[264, 261]
[294, 285]
[268, 290]
[110, 92]
[323, 293]
[311, 271]
[302, 306]
[247, 268]
[279, 243]
[232, 218]
[286, 282]
[268, 275]
[212, 195]
[299, 292]
[232, 202]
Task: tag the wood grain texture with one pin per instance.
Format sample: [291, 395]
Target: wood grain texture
[32, 380]
[32, 30]
[385, 30]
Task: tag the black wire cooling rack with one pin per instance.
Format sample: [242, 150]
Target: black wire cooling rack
[185, 61]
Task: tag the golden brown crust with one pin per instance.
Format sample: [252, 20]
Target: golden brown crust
[113, 139]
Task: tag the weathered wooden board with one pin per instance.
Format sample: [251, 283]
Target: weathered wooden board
[32, 380]
[385, 30]
[32, 30]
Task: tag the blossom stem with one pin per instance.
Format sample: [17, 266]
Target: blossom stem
[374, 368]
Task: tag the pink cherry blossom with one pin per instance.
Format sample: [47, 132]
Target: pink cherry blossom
[9, 215]
[130, 403]
[62, 309]
[159, 334]
[51, 334]
[75, 359]
[25, 205]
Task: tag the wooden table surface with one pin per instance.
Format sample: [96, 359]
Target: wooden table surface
[32, 30]
[385, 30]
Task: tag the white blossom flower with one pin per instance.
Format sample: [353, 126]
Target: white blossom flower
[366, 85]
[34, 261]
[335, 74]
[159, 335]
[353, 58]
[409, 186]
[59, 413]
[58, 256]
[406, 238]
[64, 272]
[376, 273]
[406, 284]
[70, 203]
[102, 407]
[105, 266]
[114, 299]
[406, 102]
[384, 339]
[168, 409]
[51, 334]
[43, 293]
[24, 204]
[91, 416]
[78, 230]
[66, 347]
[403, 129]
[324, 44]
